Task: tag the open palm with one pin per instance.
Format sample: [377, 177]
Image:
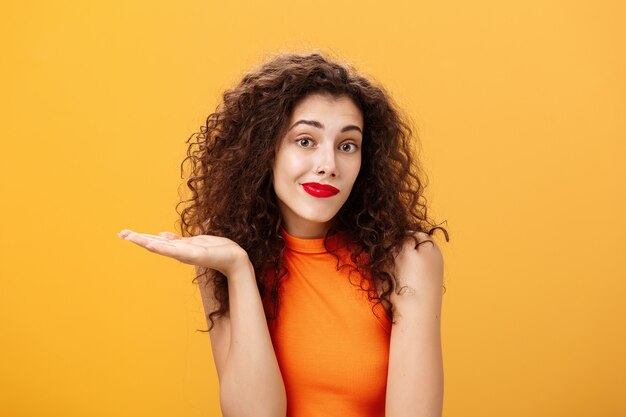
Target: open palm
[214, 252]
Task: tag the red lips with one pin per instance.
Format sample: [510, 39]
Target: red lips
[319, 190]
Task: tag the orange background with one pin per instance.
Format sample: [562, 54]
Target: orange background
[520, 108]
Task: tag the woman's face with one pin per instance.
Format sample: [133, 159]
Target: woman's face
[322, 145]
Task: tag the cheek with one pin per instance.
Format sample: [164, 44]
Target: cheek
[355, 168]
[288, 168]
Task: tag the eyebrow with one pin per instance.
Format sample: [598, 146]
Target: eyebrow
[318, 125]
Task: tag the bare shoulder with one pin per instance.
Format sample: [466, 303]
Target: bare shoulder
[421, 264]
[425, 250]
[417, 267]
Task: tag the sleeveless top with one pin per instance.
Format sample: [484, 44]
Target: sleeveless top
[333, 352]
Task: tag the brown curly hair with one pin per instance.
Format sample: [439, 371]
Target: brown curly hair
[231, 178]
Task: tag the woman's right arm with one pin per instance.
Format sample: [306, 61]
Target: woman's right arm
[250, 380]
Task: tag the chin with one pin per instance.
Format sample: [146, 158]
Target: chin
[318, 219]
[316, 216]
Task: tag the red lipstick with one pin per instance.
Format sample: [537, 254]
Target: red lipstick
[319, 190]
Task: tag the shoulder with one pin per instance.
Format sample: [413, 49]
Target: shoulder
[420, 260]
[419, 246]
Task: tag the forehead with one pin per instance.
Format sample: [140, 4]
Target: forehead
[327, 106]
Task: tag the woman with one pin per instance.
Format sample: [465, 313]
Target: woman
[306, 218]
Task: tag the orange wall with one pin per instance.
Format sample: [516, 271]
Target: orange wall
[520, 108]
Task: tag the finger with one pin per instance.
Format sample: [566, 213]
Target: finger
[170, 236]
[181, 251]
[142, 239]
[154, 237]
[124, 233]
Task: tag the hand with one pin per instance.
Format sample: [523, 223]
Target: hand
[214, 252]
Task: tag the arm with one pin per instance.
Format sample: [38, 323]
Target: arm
[415, 374]
[250, 380]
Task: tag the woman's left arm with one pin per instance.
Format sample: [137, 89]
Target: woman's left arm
[415, 374]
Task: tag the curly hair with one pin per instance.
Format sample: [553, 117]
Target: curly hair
[231, 178]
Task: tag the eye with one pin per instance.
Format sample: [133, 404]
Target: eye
[353, 144]
[305, 138]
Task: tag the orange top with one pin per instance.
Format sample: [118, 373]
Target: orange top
[332, 350]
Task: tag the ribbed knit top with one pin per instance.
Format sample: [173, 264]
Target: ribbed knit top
[332, 350]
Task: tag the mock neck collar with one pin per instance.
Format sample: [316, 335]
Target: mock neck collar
[311, 245]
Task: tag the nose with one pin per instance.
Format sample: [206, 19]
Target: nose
[326, 164]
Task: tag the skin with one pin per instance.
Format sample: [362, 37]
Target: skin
[324, 155]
